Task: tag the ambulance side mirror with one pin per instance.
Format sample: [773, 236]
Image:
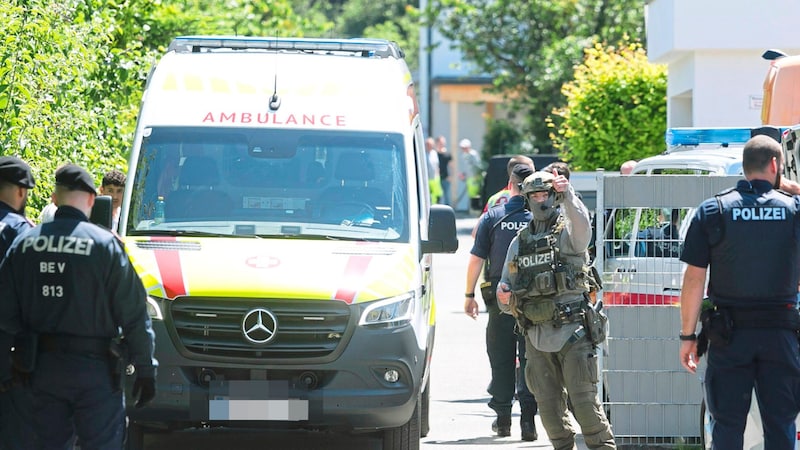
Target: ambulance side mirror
[442, 236]
[102, 211]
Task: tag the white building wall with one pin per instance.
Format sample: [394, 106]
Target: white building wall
[713, 51]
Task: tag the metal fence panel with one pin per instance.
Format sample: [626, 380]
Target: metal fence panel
[650, 398]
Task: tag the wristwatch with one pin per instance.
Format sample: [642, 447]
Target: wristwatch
[687, 337]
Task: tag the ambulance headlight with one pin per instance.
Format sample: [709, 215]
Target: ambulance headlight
[154, 308]
[390, 312]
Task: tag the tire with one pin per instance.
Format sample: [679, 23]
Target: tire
[134, 436]
[405, 437]
[424, 415]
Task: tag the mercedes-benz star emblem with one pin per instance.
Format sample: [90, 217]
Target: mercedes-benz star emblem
[259, 326]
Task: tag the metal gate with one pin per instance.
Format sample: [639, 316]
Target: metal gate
[650, 398]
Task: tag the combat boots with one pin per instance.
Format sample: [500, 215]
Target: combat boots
[528, 427]
[502, 426]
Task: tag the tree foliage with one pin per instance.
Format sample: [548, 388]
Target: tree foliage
[531, 46]
[616, 109]
[72, 71]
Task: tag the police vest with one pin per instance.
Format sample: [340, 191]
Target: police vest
[543, 271]
[734, 278]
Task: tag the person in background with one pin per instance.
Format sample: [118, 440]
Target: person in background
[495, 230]
[434, 184]
[627, 167]
[501, 197]
[71, 284]
[16, 404]
[470, 168]
[113, 185]
[748, 312]
[444, 168]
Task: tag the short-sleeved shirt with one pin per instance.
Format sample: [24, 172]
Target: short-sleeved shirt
[493, 235]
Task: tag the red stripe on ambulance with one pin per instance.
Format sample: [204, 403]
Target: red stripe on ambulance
[169, 266]
[353, 271]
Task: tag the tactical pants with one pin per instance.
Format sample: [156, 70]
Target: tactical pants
[73, 393]
[571, 370]
[16, 419]
[503, 346]
[767, 359]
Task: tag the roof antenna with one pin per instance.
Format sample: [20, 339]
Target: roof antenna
[275, 100]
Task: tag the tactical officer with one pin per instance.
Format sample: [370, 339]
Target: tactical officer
[15, 404]
[71, 284]
[495, 230]
[751, 322]
[545, 285]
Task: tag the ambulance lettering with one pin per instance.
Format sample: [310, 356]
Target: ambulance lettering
[325, 120]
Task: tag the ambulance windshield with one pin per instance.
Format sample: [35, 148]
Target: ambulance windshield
[262, 182]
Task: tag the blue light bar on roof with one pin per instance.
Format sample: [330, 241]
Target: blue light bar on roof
[696, 136]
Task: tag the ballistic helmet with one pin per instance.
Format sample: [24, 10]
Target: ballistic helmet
[538, 182]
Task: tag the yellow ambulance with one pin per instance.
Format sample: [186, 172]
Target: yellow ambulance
[277, 210]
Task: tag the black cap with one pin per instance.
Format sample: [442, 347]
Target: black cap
[16, 171]
[521, 171]
[75, 178]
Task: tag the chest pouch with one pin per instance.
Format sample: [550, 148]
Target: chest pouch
[539, 309]
[535, 269]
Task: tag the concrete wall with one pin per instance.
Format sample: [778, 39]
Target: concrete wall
[713, 51]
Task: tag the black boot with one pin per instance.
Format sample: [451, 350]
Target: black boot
[528, 428]
[502, 426]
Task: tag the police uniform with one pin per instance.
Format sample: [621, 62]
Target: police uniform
[495, 231]
[754, 287]
[72, 284]
[15, 404]
[546, 268]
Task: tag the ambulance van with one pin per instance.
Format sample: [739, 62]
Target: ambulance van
[277, 211]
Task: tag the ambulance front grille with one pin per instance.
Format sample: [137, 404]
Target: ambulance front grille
[213, 327]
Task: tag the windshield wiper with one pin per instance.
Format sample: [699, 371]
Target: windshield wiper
[189, 233]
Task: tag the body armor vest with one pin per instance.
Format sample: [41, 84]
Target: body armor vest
[544, 274]
[745, 215]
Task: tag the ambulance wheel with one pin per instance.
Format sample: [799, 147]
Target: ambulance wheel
[404, 437]
[134, 437]
[424, 418]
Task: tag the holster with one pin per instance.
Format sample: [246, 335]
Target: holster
[594, 320]
[717, 326]
[489, 292]
[120, 358]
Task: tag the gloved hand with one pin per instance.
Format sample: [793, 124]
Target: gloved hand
[144, 390]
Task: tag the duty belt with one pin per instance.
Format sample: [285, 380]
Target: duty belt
[787, 318]
[78, 345]
[570, 312]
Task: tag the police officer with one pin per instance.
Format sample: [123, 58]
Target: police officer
[15, 404]
[546, 275]
[494, 232]
[71, 283]
[753, 323]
